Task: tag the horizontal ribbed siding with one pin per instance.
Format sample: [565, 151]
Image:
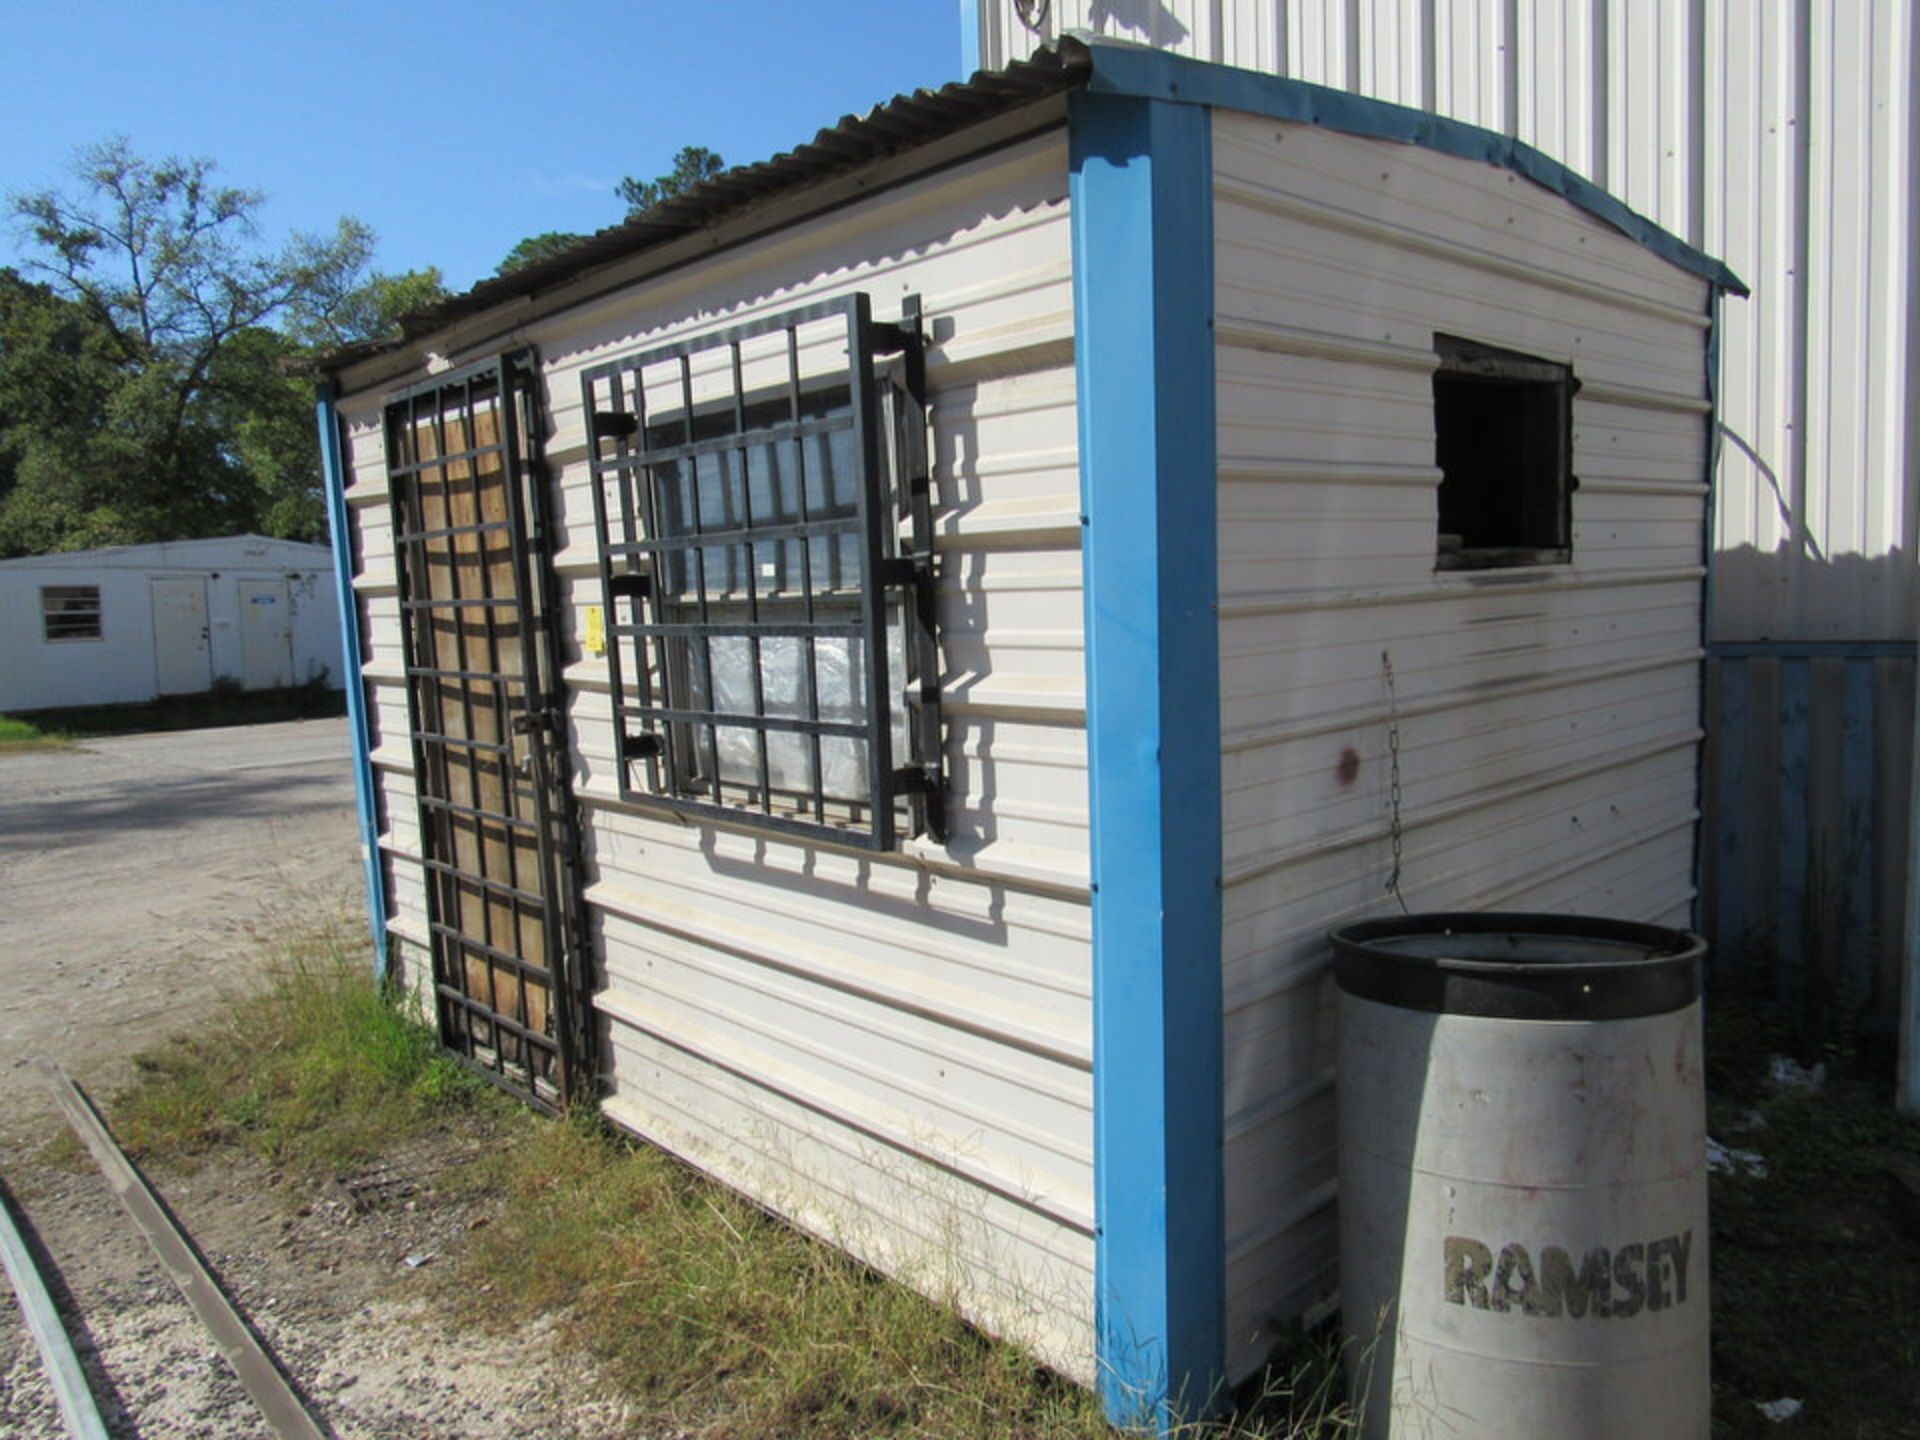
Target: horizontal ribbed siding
[1548, 719]
[1779, 137]
[893, 1050]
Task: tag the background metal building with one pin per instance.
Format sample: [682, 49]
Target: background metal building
[126, 624]
[1779, 135]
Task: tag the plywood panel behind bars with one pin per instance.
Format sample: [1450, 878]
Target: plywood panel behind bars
[477, 641]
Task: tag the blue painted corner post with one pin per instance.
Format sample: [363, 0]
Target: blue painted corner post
[1143, 301]
[334, 482]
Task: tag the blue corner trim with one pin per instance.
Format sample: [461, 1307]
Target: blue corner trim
[1143, 301]
[1132, 70]
[333, 475]
[969, 38]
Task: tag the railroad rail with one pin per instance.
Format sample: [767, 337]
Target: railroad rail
[240, 1345]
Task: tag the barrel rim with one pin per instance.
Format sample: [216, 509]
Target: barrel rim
[1664, 977]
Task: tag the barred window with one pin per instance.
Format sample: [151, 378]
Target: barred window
[70, 612]
[763, 511]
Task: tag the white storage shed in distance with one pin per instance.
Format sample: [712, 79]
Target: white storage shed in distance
[134, 622]
[884, 669]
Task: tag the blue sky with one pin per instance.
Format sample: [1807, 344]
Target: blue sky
[453, 129]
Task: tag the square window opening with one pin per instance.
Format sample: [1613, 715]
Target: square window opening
[763, 509]
[1503, 442]
[70, 612]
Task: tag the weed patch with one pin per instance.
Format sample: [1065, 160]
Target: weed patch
[316, 1074]
[17, 734]
[731, 1324]
[704, 1314]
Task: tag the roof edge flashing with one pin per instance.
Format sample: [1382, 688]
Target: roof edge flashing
[1123, 68]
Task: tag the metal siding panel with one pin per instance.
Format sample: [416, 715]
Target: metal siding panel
[1854, 843]
[1781, 137]
[1794, 851]
[818, 1173]
[1549, 725]
[762, 994]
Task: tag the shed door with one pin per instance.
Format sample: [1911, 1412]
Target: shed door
[489, 748]
[266, 634]
[181, 655]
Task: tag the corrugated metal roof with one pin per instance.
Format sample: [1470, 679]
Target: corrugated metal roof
[901, 124]
[909, 121]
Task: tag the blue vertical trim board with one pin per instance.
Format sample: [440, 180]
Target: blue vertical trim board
[1853, 868]
[1796, 727]
[969, 37]
[1732, 917]
[334, 476]
[1143, 301]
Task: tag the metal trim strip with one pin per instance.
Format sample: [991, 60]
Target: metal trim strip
[340, 534]
[1158, 74]
[1141, 175]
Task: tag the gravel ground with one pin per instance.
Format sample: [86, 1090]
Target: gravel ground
[136, 875]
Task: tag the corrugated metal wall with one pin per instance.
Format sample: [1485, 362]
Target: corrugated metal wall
[895, 1049]
[1781, 136]
[1548, 719]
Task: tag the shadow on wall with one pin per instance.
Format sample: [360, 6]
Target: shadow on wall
[1809, 717]
[1147, 20]
[1800, 594]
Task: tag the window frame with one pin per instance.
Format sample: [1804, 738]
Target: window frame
[1463, 361]
[668, 728]
[48, 616]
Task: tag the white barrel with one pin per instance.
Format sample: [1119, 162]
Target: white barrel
[1523, 1196]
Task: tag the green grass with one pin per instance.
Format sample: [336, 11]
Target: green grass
[225, 704]
[317, 1074]
[27, 735]
[707, 1315]
[731, 1324]
[713, 1319]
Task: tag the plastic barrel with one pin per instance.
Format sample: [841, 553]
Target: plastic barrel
[1523, 1197]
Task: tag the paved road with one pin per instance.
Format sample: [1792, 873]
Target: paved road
[139, 876]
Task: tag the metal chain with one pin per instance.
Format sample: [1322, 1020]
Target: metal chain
[1393, 780]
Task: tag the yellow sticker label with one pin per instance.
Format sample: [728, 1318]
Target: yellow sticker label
[596, 637]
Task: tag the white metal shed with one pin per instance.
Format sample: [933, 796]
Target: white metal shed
[885, 669]
[133, 622]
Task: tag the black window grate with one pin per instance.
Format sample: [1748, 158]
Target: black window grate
[764, 522]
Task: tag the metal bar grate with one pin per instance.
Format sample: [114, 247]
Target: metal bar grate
[490, 775]
[764, 528]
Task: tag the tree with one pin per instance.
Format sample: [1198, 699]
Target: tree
[537, 247]
[370, 309]
[693, 164]
[141, 395]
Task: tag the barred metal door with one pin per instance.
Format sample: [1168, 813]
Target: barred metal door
[489, 752]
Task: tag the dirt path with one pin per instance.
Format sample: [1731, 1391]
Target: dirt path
[137, 877]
